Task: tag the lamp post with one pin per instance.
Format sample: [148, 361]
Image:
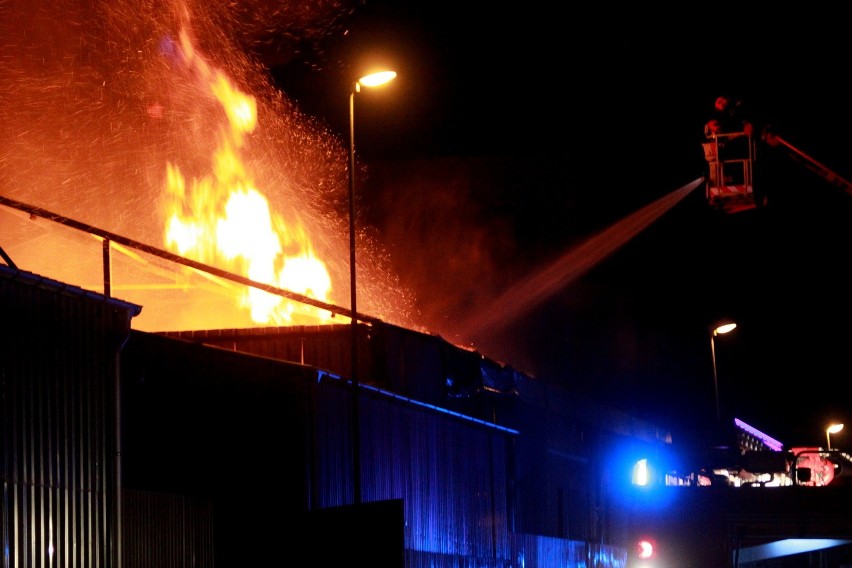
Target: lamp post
[718, 330]
[371, 80]
[832, 429]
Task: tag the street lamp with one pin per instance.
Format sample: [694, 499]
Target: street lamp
[832, 429]
[718, 330]
[371, 80]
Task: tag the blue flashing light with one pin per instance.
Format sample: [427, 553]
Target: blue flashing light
[641, 476]
[638, 474]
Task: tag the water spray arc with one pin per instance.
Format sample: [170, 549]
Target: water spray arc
[544, 284]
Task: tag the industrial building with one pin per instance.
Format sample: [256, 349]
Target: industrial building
[235, 447]
[129, 448]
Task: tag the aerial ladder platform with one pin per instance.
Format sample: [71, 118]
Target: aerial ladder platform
[730, 181]
[730, 158]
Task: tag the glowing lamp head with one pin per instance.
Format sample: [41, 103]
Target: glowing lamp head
[833, 428]
[724, 328]
[376, 79]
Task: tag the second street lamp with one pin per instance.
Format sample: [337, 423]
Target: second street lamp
[371, 80]
[718, 330]
[832, 429]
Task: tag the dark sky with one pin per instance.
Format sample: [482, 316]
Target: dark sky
[513, 137]
[530, 174]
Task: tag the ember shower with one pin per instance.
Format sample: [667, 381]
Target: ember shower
[134, 116]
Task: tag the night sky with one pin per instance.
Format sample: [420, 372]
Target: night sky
[513, 138]
[532, 174]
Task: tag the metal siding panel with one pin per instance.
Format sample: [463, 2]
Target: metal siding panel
[452, 474]
[232, 429]
[166, 531]
[327, 347]
[413, 364]
[333, 434]
[57, 471]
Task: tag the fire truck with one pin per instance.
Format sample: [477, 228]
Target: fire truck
[747, 502]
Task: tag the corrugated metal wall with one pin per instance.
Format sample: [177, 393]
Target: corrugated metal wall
[545, 552]
[220, 451]
[58, 364]
[417, 365]
[555, 480]
[223, 428]
[452, 473]
[199, 409]
[327, 347]
[166, 531]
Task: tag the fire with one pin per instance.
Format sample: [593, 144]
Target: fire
[223, 220]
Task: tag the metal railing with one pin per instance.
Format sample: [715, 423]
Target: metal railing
[109, 237]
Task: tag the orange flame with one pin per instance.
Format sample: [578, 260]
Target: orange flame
[223, 220]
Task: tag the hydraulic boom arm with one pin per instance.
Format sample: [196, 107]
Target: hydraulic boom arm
[777, 142]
